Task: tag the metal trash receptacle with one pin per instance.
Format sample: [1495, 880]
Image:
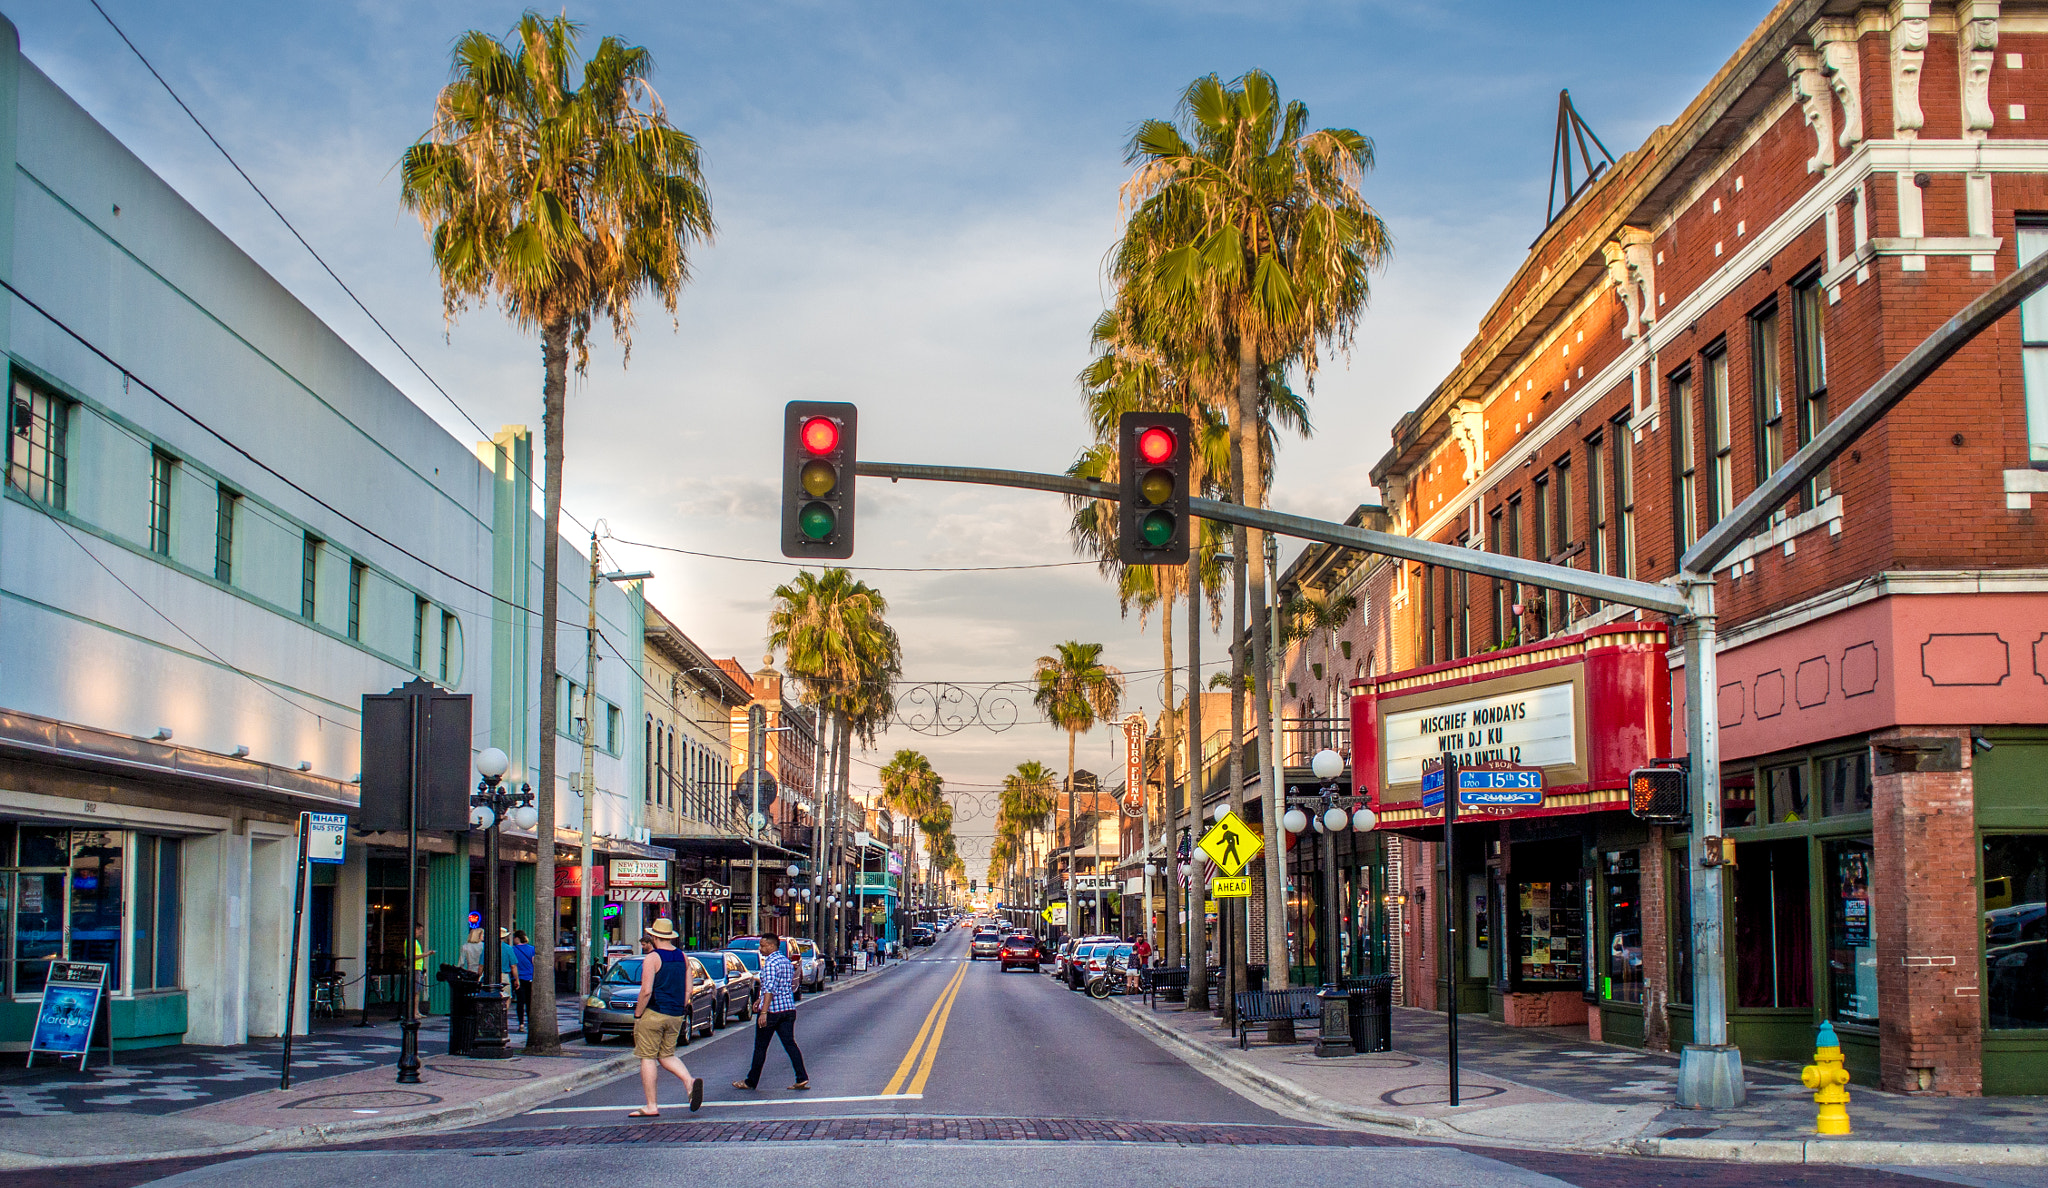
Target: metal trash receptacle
[1372, 1012]
[1334, 1034]
[462, 987]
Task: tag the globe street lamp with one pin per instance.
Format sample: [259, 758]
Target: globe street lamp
[488, 808]
[1329, 813]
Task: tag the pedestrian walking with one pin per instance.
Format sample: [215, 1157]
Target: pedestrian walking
[420, 953]
[660, 1014]
[508, 962]
[1143, 952]
[522, 960]
[778, 979]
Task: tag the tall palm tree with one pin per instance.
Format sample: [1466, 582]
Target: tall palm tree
[1075, 690]
[1254, 226]
[560, 190]
[838, 646]
[1026, 803]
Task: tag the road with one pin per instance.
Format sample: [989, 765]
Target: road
[944, 1071]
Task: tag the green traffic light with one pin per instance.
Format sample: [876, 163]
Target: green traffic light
[817, 521]
[1157, 529]
[819, 478]
[1156, 486]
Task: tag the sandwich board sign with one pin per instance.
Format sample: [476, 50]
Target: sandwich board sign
[74, 998]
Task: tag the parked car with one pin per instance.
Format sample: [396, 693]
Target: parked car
[1021, 952]
[810, 963]
[739, 988]
[609, 1011]
[986, 944]
[921, 936]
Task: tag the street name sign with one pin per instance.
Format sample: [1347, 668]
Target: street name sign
[1495, 786]
[1239, 888]
[1231, 844]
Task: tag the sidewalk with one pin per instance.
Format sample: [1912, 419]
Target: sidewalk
[1552, 1088]
[147, 1111]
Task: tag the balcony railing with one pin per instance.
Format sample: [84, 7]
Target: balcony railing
[875, 880]
[1302, 737]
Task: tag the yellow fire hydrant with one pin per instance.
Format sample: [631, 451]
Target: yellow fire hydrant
[1829, 1082]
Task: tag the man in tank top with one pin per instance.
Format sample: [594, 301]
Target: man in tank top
[660, 1015]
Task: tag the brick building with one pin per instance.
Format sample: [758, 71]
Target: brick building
[1852, 177]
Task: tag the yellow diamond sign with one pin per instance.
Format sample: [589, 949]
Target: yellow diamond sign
[1231, 844]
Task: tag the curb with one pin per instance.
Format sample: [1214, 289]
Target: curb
[1815, 1150]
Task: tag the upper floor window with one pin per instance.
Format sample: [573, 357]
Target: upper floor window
[161, 467]
[224, 502]
[1624, 498]
[2033, 240]
[1596, 504]
[1765, 394]
[1685, 521]
[1720, 440]
[1810, 369]
[40, 421]
[356, 572]
[309, 576]
[419, 633]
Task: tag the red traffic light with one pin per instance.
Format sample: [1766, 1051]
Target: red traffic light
[1156, 445]
[821, 435]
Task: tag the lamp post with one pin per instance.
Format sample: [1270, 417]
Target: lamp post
[488, 806]
[1333, 813]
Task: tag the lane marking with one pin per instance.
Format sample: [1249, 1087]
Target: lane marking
[685, 1107]
[931, 1050]
[910, 1057]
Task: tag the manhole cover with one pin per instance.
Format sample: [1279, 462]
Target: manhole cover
[377, 1099]
[484, 1072]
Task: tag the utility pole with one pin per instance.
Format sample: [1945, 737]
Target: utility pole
[757, 743]
[586, 942]
[1277, 956]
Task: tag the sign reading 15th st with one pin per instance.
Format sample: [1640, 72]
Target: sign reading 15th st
[1498, 786]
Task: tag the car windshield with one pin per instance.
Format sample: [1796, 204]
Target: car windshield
[751, 960]
[713, 963]
[623, 973]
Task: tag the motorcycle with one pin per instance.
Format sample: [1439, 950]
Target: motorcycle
[1116, 978]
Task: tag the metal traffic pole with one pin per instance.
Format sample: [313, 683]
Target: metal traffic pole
[1451, 905]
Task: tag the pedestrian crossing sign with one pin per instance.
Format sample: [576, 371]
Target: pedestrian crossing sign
[1231, 844]
[1239, 888]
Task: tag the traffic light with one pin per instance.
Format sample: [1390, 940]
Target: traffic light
[1152, 472]
[817, 478]
[1658, 794]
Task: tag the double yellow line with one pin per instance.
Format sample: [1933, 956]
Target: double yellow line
[941, 1010]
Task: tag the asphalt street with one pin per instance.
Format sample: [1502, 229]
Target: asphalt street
[945, 1071]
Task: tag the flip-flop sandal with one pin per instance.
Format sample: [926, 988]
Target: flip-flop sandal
[696, 1095]
[801, 1085]
[644, 1114]
[743, 1085]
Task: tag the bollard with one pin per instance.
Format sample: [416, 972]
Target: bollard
[1829, 1082]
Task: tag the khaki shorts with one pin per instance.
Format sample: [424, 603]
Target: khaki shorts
[655, 1035]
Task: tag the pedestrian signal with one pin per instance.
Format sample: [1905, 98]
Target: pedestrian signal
[817, 478]
[1152, 477]
[1657, 794]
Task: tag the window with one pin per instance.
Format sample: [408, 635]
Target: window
[1679, 935]
[1720, 441]
[1845, 784]
[1685, 518]
[2033, 240]
[1542, 539]
[1596, 507]
[2015, 929]
[1622, 978]
[419, 633]
[1513, 629]
[1773, 925]
[72, 895]
[1810, 369]
[451, 649]
[356, 570]
[1426, 643]
[1785, 792]
[161, 466]
[1852, 932]
[1501, 625]
[309, 576]
[156, 913]
[1461, 625]
[649, 768]
[224, 501]
[668, 785]
[1624, 499]
[40, 422]
[1561, 528]
[1767, 399]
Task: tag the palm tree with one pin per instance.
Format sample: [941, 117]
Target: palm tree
[838, 646]
[1027, 801]
[565, 199]
[1075, 691]
[1252, 225]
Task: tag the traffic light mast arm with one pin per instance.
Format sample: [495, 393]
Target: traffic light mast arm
[1646, 595]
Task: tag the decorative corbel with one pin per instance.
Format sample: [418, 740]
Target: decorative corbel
[1641, 257]
[1976, 43]
[1909, 46]
[1836, 41]
[1468, 429]
[1624, 285]
[1811, 88]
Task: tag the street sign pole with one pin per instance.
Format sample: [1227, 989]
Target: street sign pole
[1453, 904]
[291, 994]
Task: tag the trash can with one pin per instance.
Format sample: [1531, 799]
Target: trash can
[1334, 1036]
[462, 986]
[1372, 1012]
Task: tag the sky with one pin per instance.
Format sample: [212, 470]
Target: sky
[914, 202]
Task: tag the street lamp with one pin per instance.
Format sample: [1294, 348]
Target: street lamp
[1329, 813]
[488, 809]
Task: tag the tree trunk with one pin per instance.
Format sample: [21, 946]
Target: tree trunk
[848, 902]
[544, 1034]
[1167, 941]
[1073, 844]
[1244, 456]
[1249, 383]
[1198, 917]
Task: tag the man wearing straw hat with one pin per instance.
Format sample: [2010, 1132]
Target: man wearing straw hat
[660, 1015]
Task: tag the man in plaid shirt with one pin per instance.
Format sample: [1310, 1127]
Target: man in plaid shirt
[777, 1016]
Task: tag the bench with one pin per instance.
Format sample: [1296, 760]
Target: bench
[1299, 1004]
[1152, 981]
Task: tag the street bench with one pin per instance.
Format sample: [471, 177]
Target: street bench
[1299, 1004]
[1152, 981]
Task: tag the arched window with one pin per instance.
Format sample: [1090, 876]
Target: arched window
[668, 789]
[648, 768]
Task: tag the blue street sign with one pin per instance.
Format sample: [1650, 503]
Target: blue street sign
[1482, 797]
[1475, 779]
[1433, 799]
[1433, 781]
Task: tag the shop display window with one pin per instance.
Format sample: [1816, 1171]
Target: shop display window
[88, 895]
[1621, 980]
[2016, 931]
[1773, 925]
[1547, 899]
[1787, 791]
[1738, 797]
[1845, 784]
[1852, 932]
[1679, 881]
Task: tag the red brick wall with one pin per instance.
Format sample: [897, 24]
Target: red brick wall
[1927, 928]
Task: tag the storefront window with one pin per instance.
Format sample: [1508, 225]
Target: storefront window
[73, 895]
[1773, 926]
[97, 877]
[1787, 789]
[2016, 930]
[1852, 932]
[1547, 896]
[1680, 915]
[1738, 797]
[1622, 979]
[1845, 784]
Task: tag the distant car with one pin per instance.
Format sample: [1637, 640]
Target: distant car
[986, 944]
[921, 936]
[609, 1011]
[810, 963]
[739, 988]
[1021, 952]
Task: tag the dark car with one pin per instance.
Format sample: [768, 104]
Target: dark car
[1020, 952]
[802, 954]
[739, 988]
[609, 1012]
